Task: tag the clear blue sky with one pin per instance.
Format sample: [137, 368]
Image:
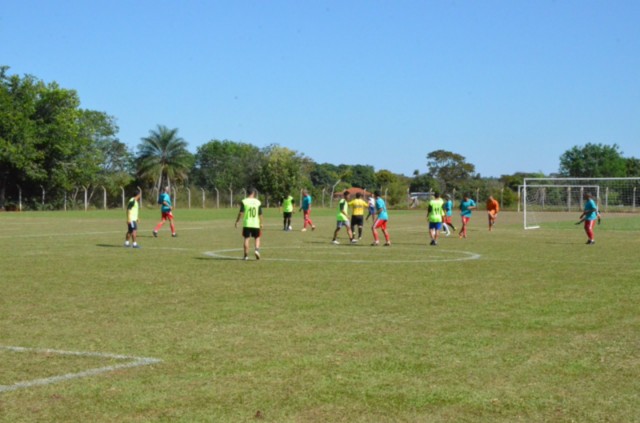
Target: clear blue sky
[510, 85]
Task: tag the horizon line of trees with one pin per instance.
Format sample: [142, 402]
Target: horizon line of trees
[47, 142]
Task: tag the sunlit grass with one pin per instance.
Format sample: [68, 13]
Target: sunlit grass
[511, 325]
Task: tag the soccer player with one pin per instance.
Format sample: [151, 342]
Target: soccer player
[372, 208]
[466, 206]
[589, 216]
[492, 211]
[357, 215]
[448, 214]
[287, 211]
[306, 211]
[435, 215]
[166, 209]
[380, 219]
[251, 214]
[133, 206]
[343, 219]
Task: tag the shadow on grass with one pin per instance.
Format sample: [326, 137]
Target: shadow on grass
[219, 258]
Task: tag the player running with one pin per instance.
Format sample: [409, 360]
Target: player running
[492, 211]
[306, 211]
[448, 214]
[166, 209]
[466, 206]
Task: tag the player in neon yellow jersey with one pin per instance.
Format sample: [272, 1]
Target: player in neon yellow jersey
[343, 219]
[251, 214]
[133, 207]
[435, 215]
[357, 215]
[287, 211]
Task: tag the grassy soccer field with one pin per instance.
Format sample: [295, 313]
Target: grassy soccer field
[507, 326]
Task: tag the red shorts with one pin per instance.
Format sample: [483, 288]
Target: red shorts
[167, 215]
[447, 219]
[465, 219]
[380, 224]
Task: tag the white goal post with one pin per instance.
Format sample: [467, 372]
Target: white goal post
[557, 199]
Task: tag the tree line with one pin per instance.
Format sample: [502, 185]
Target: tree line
[49, 143]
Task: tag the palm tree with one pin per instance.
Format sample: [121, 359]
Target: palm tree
[163, 157]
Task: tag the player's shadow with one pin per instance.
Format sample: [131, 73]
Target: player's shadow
[110, 245]
[217, 258]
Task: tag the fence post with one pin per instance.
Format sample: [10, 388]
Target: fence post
[43, 192]
[230, 197]
[123, 206]
[188, 197]
[104, 199]
[202, 189]
[217, 198]
[19, 198]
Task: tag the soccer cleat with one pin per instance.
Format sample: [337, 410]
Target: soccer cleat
[257, 253]
[313, 228]
[137, 246]
[245, 258]
[155, 234]
[335, 241]
[432, 242]
[174, 235]
[354, 241]
[303, 230]
[591, 242]
[387, 244]
[375, 244]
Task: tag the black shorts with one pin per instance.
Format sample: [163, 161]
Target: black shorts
[251, 232]
[357, 220]
[287, 215]
[131, 227]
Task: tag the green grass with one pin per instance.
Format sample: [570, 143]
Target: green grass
[539, 328]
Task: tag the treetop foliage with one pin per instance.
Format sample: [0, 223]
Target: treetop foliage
[48, 143]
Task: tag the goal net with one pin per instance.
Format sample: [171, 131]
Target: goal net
[561, 199]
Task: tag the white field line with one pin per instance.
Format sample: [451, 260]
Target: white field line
[131, 362]
[452, 256]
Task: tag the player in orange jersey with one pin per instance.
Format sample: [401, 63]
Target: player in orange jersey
[492, 211]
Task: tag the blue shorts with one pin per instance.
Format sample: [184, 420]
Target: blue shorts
[342, 223]
[435, 225]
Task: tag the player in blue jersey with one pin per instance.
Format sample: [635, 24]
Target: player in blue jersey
[589, 216]
[466, 206]
[380, 219]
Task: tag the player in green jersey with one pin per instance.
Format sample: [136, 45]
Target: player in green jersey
[251, 215]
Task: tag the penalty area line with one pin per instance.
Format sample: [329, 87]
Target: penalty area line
[130, 363]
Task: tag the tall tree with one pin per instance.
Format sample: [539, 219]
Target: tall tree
[163, 157]
[633, 167]
[593, 161]
[224, 164]
[281, 171]
[45, 138]
[451, 170]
